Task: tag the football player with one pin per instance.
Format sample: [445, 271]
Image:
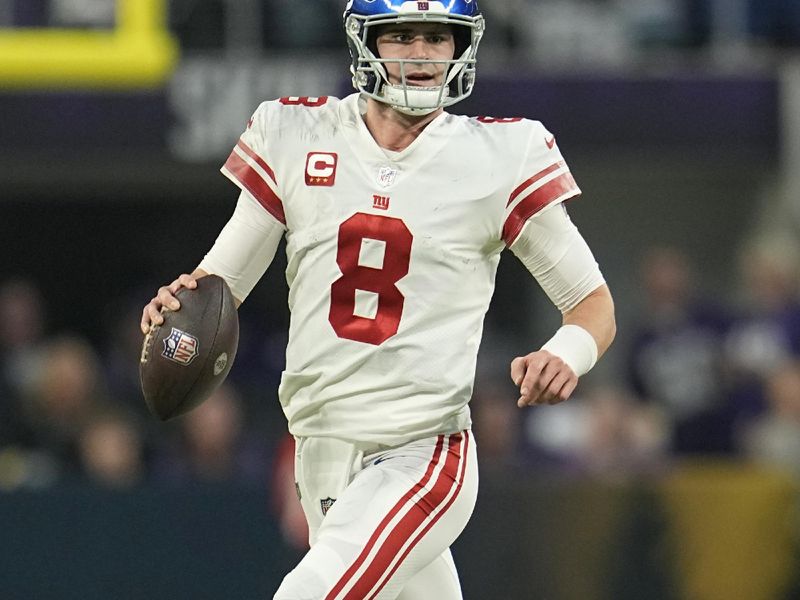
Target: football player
[395, 214]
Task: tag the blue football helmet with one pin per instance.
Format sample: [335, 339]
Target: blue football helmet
[370, 77]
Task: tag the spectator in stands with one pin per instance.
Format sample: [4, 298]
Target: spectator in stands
[675, 356]
[22, 324]
[766, 330]
[623, 435]
[67, 391]
[604, 432]
[774, 437]
[213, 446]
[112, 451]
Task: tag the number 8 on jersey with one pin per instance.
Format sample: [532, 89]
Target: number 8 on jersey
[381, 281]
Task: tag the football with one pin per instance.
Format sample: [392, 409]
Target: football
[189, 355]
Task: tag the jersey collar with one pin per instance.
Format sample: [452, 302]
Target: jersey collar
[355, 129]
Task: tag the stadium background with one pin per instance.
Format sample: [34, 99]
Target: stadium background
[672, 475]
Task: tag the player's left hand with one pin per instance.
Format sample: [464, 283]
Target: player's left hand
[543, 378]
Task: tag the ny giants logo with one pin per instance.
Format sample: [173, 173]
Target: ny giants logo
[180, 347]
[321, 168]
[380, 202]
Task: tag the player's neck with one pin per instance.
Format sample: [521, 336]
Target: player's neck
[394, 130]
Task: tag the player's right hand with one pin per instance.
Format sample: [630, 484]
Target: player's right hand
[543, 378]
[165, 300]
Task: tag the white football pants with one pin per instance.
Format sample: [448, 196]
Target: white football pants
[382, 520]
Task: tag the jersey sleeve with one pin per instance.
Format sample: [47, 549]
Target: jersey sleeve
[248, 165]
[556, 254]
[245, 247]
[544, 179]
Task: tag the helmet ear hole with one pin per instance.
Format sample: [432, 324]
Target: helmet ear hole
[462, 37]
[372, 41]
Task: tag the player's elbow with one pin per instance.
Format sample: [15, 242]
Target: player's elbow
[607, 317]
[611, 325]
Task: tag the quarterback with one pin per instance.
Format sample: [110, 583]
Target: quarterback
[395, 214]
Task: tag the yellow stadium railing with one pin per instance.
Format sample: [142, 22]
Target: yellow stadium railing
[138, 53]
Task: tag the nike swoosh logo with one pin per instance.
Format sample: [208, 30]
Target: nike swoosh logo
[551, 142]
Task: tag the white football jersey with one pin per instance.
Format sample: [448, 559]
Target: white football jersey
[391, 256]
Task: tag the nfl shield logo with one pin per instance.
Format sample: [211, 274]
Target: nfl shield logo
[180, 347]
[326, 504]
[386, 176]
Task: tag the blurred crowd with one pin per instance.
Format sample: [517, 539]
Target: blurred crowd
[606, 27]
[533, 31]
[701, 375]
[73, 411]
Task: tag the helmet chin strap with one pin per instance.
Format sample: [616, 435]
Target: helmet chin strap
[411, 100]
[414, 101]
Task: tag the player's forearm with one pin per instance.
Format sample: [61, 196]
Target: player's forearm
[595, 314]
[198, 273]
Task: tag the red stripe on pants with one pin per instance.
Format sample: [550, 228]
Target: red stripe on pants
[432, 521]
[409, 523]
[348, 575]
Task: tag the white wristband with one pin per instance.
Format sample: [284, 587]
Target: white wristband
[575, 346]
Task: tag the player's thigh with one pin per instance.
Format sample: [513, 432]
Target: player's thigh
[437, 581]
[397, 516]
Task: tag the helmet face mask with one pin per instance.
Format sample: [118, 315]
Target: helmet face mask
[370, 72]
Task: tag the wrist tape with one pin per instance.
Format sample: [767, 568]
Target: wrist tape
[575, 346]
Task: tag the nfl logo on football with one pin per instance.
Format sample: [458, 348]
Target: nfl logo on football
[180, 347]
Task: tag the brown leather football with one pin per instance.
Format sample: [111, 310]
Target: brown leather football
[188, 356]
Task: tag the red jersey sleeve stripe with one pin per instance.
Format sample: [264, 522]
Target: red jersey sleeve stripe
[252, 181]
[536, 201]
[359, 561]
[529, 182]
[260, 161]
[427, 507]
[433, 521]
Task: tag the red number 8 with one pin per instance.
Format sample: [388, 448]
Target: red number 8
[397, 256]
[499, 119]
[303, 101]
